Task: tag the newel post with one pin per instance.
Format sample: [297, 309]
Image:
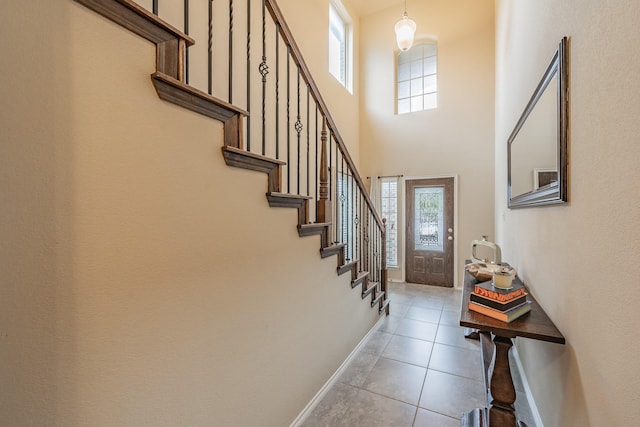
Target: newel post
[383, 273]
[324, 204]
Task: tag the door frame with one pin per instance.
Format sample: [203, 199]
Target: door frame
[402, 220]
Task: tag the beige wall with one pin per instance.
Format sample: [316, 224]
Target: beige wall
[139, 287]
[580, 258]
[454, 139]
[309, 23]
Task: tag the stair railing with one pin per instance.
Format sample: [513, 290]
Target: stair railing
[284, 117]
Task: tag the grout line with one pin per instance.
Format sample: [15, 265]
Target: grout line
[334, 378]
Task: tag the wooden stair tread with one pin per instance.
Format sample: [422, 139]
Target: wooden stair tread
[179, 93]
[286, 196]
[241, 152]
[385, 306]
[362, 275]
[372, 286]
[332, 249]
[348, 266]
[137, 19]
[378, 297]
[312, 228]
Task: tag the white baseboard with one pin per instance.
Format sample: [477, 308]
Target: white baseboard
[527, 390]
[325, 388]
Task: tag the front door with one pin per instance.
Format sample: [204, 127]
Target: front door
[429, 251]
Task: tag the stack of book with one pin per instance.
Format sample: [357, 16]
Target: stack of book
[502, 304]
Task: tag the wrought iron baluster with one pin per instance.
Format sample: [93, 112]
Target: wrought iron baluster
[288, 119]
[154, 7]
[345, 208]
[375, 252]
[264, 70]
[338, 191]
[356, 199]
[317, 161]
[308, 142]
[186, 51]
[249, 75]
[331, 195]
[277, 90]
[210, 51]
[298, 126]
[230, 77]
[365, 239]
[361, 234]
[380, 244]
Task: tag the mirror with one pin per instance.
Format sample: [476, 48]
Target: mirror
[537, 147]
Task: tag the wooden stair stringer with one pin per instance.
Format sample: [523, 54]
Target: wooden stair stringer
[239, 158]
[351, 266]
[301, 203]
[168, 80]
[371, 286]
[361, 279]
[181, 94]
[327, 248]
[379, 297]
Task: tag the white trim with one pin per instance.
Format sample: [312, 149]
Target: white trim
[327, 386]
[532, 404]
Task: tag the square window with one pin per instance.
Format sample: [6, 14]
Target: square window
[430, 84]
[430, 65]
[416, 103]
[404, 106]
[416, 69]
[416, 87]
[403, 90]
[404, 72]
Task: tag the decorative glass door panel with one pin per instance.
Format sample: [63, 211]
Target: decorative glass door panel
[429, 218]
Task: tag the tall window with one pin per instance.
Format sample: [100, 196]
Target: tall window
[389, 199]
[339, 44]
[418, 78]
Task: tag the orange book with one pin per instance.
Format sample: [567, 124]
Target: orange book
[487, 290]
[505, 316]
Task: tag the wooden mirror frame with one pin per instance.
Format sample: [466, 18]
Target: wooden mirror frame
[549, 194]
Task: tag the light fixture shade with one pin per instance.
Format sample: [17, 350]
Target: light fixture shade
[405, 29]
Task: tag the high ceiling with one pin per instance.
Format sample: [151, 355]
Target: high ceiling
[365, 7]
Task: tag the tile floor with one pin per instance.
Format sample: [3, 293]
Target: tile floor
[416, 369]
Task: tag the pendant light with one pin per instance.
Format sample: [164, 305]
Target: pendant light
[405, 29]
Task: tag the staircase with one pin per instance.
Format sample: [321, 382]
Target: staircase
[327, 191]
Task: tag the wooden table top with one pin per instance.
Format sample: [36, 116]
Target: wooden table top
[535, 324]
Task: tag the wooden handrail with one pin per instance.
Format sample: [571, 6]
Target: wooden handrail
[169, 80]
[296, 54]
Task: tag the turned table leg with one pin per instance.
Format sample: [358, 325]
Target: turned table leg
[502, 411]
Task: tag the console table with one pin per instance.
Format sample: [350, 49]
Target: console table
[496, 370]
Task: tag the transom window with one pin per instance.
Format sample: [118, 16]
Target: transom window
[417, 88]
[340, 44]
